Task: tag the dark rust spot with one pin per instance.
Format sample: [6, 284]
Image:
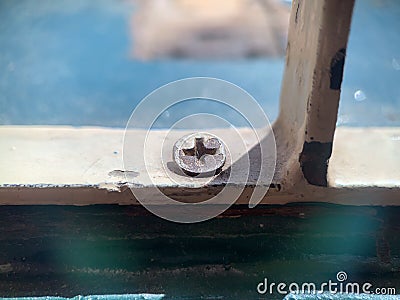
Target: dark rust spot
[276, 186]
[314, 162]
[337, 66]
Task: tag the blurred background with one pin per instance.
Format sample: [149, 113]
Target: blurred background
[91, 62]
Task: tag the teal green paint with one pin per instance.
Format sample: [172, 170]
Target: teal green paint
[69, 251]
[95, 297]
[341, 297]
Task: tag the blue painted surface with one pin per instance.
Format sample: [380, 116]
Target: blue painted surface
[68, 62]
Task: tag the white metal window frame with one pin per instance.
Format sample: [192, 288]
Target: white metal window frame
[82, 166]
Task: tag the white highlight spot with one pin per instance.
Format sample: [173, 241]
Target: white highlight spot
[359, 95]
[395, 138]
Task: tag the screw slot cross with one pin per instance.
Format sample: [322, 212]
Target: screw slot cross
[200, 148]
[199, 153]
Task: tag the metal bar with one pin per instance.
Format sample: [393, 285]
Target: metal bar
[83, 166]
[316, 52]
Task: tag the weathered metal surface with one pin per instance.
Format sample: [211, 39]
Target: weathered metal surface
[315, 56]
[199, 153]
[82, 166]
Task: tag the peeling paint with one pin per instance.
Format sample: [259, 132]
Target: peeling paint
[337, 66]
[123, 174]
[314, 162]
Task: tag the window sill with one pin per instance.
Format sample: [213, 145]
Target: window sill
[82, 166]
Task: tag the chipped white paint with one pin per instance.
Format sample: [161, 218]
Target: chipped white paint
[81, 166]
[318, 34]
[59, 156]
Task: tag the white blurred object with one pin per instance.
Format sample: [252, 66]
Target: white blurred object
[209, 28]
[360, 95]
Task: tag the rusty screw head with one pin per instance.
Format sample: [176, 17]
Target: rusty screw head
[199, 153]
